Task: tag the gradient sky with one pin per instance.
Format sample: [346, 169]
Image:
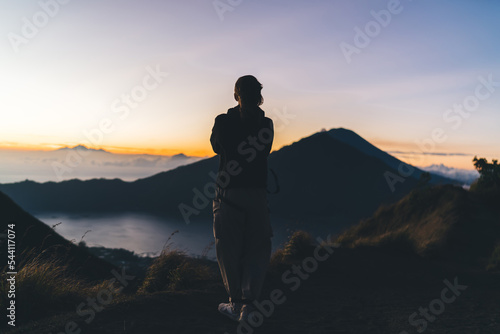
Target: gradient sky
[65, 80]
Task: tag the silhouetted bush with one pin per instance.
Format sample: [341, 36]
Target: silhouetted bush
[489, 176]
[299, 245]
[173, 270]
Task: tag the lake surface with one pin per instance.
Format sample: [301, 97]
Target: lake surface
[143, 234]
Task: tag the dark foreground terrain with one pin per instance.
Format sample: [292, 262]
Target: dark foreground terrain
[364, 290]
[417, 266]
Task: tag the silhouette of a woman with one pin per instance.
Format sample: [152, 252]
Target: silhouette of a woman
[243, 139]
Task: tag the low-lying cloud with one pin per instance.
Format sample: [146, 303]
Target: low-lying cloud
[442, 154]
[466, 176]
[38, 165]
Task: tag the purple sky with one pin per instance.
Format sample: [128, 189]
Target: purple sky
[407, 76]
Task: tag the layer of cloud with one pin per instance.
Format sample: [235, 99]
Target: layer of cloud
[432, 153]
[82, 163]
[466, 176]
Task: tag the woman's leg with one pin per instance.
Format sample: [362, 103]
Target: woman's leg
[228, 233]
[257, 245]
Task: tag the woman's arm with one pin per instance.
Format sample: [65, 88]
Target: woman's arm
[216, 134]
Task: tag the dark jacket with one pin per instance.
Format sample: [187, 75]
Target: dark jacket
[243, 148]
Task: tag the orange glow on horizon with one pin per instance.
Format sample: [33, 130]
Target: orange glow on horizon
[158, 151]
[191, 149]
[29, 147]
[194, 152]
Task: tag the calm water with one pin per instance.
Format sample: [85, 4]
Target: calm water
[143, 234]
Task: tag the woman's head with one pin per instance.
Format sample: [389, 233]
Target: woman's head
[247, 91]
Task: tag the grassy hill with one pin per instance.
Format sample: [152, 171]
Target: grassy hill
[443, 221]
[33, 236]
[52, 272]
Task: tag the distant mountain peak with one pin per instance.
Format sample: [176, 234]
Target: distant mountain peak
[341, 130]
[351, 138]
[81, 148]
[344, 133]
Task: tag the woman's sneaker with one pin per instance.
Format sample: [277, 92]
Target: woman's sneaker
[230, 310]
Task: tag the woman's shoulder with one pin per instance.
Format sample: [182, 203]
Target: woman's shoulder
[231, 112]
[269, 122]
